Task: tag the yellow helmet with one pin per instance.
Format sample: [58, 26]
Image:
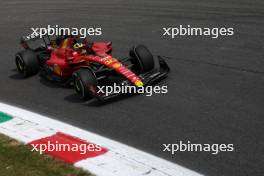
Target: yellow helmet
[78, 46]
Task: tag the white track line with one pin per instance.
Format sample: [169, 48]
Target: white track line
[120, 160]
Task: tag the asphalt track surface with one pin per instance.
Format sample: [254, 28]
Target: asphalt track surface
[216, 90]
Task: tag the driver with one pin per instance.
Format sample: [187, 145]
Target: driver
[80, 47]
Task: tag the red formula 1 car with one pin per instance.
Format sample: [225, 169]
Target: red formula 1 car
[85, 65]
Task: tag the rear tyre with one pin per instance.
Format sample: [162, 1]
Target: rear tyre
[85, 83]
[27, 63]
[142, 59]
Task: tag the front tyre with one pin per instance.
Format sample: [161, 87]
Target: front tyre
[27, 63]
[142, 59]
[85, 83]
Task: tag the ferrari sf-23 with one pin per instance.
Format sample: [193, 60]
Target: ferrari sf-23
[70, 60]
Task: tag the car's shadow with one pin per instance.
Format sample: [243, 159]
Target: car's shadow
[73, 98]
[53, 84]
[93, 102]
[16, 75]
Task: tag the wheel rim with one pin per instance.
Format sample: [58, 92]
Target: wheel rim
[20, 64]
[78, 85]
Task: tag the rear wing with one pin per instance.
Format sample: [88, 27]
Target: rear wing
[31, 37]
[24, 40]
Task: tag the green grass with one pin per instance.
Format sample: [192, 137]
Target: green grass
[18, 160]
